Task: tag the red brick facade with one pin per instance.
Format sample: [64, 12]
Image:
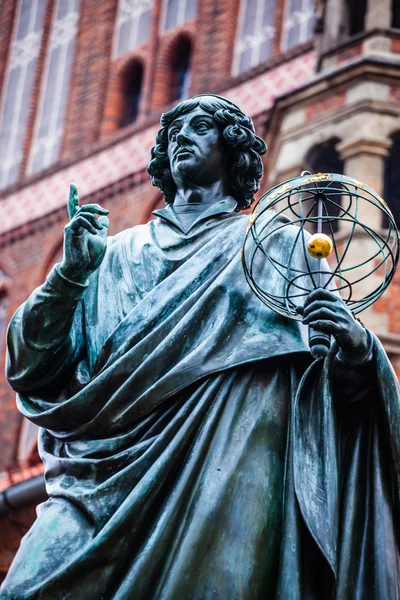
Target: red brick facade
[31, 239]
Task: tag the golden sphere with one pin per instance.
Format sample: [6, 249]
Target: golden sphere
[320, 245]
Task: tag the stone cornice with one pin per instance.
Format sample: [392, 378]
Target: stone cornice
[343, 76]
[363, 146]
[356, 40]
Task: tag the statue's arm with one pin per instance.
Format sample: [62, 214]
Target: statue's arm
[42, 343]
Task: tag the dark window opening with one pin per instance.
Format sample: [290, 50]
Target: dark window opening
[396, 14]
[3, 316]
[181, 71]
[392, 181]
[324, 158]
[356, 15]
[132, 94]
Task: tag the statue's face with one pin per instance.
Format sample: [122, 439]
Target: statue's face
[195, 149]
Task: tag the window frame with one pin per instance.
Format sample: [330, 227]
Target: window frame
[285, 29]
[238, 38]
[43, 89]
[179, 23]
[114, 49]
[6, 79]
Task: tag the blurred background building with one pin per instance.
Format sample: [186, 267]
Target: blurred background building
[83, 84]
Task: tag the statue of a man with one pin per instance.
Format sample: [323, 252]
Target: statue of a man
[191, 451]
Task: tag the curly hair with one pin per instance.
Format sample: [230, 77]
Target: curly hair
[243, 149]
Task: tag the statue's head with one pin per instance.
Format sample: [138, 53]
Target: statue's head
[239, 149]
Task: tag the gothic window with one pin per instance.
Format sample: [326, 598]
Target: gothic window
[133, 25]
[18, 87]
[299, 23]
[255, 33]
[57, 75]
[177, 12]
[132, 89]
[324, 158]
[392, 180]
[181, 70]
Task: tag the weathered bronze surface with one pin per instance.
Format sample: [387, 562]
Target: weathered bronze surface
[192, 449]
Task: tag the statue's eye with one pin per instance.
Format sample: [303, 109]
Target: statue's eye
[202, 126]
[173, 134]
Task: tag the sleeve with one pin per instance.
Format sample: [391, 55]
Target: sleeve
[43, 345]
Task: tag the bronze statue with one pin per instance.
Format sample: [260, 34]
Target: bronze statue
[175, 417]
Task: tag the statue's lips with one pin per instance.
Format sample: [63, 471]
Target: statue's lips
[183, 153]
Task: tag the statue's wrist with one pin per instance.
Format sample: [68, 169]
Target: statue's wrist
[73, 275]
[64, 287]
[358, 356]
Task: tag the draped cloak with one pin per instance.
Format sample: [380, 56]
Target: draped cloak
[191, 448]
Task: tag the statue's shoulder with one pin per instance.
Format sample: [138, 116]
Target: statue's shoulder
[127, 235]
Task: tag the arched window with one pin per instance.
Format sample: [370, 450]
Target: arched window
[298, 23]
[180, 83]
[392, 180]
[395, 14]
[57, 75]
[132, 90]
[256, 29]
[133, 25]
[18, 87]
[177, 12]
[324, 158]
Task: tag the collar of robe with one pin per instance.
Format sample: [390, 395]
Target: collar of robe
[225, 206]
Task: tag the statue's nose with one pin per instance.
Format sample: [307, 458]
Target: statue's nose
[182, 137]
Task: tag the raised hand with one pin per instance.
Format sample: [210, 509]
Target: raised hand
[327, 312]
[85, 238]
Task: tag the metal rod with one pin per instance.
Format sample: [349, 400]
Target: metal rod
[319, 342]
[319, 230]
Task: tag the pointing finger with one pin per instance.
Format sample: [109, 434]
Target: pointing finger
[73, 200]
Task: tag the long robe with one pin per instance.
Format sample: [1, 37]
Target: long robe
[191, 450]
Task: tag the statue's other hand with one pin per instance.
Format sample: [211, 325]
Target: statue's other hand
[326, 312]
[85, 238]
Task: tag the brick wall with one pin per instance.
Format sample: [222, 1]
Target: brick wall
[91, 71]
[12, 528]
